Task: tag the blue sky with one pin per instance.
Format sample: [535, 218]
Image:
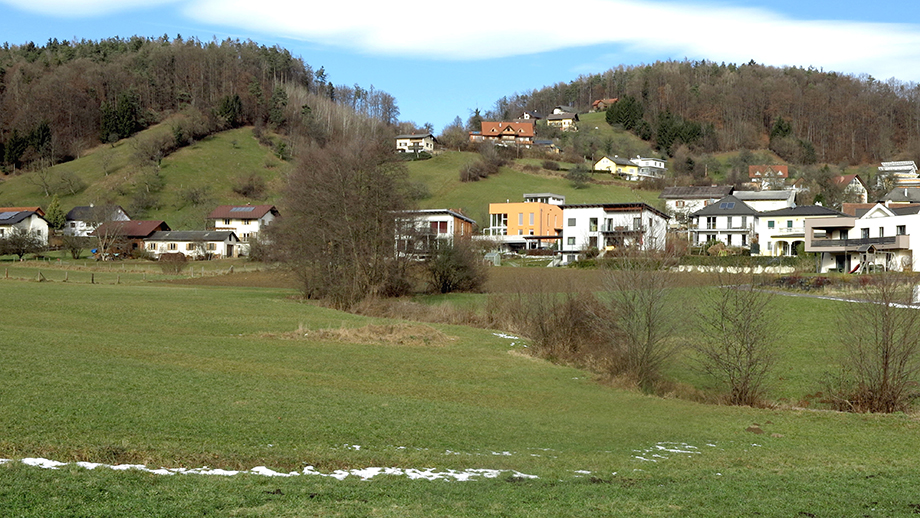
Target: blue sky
[441, 60]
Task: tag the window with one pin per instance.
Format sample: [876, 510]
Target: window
[679, 203]
[881, 231]
[571, 222]
[439, 227]
[520, 231]
[901, 230]
[788, 223]
[710, 222]
[592, 225]
[226, 222]
[728, 240]
[73, 224]
[212, 246]
[865, 233]
[189, 246]
[150, 246]
[743, 239]
[570, 241]
[844, 234]
[637, 223]
[531, 218]
[520, 218]
[728, 224]
[743, 221]
[172, 246]
[771, 224]
[592, 241]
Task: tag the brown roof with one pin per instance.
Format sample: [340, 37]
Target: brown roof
[846, 179]
[696, 192]
[520, 129]
[605, 101]
[134, 229]
[242, 211]
[768, 171]
[37, 210]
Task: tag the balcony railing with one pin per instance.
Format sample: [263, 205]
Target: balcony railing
[612, 229]
[853, 244]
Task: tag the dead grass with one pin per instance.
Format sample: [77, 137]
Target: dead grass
[402, 334]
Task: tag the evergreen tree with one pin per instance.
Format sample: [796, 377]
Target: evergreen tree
[55, 215]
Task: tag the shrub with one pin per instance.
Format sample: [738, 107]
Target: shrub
[173, 263]
[455, 266]
[249, 186]
[550, 165]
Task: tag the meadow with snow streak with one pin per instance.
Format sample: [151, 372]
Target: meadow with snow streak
[182, 377]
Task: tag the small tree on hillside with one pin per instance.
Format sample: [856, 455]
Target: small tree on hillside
[55, 216]
[455, 266]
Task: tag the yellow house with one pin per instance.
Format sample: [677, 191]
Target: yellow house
[529, 224]
[618, 166]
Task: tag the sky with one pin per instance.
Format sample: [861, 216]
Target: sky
[441, 60]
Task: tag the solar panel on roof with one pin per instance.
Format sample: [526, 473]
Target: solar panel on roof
[7, 215]
[727, 205]
[242, 209]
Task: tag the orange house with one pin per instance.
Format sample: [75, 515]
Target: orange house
[528, 224]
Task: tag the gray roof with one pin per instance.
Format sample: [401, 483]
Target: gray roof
[906, 210]
[440, 211]
[704, 192]
[11, 218]
[618, 207]
[804, 210]
[903, 194]
[417, 136]
[619, 161]
[727, 206]
[89, 212]
[764, 195]
[562, 116]
[191, 235]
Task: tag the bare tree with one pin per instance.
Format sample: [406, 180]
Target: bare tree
[737, 328]
[20, 242]
[641, 317]
[338, 233]
[881, 346]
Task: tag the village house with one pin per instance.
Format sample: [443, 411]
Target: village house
[505, 133]
[82, 220]
[529, 115]
[680, 202]
[781, 232]
[418, 231]
[768, 177]
[728, 220]
[854, 189]
[563, 121]
[194, 244]
[534, 223]
[876, 239]
[610, 227]
[245, 221]
[416, 143]
[898, 174]
[23, 221]
[622, 167]
[602, 104]
[126, 237]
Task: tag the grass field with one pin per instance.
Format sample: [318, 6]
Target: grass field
[222, 376]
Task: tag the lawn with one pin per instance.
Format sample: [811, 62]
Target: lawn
[190, 376]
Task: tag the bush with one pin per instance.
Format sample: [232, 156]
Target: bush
[550, 165]
[455, 266]
[173, 263]
[249, 186]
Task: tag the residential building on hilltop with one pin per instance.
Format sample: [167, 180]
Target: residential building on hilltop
[534, 223]
[505, 133]
[245, 221]
[416, 143]
[610, 227]
[680, 202]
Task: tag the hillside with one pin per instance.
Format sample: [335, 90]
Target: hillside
[189, 183]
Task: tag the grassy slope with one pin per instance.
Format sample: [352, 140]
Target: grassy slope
[182, 376]
[212, 162]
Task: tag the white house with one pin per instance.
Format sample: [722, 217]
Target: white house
[611, 226]
[877, 239]
[565, 121]
[196, 244]
[780, 232]
[23, 220]
[902, 173]
[728, 220]
[854, 189]
[650, 167]
[416, 143]
[417, 230]
[83, 220]
[246, 221]
[680, 202]
[767, 200]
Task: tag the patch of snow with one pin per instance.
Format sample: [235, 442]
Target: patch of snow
[509, 337]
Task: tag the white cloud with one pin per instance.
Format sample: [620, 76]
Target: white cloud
[81, 8]
[464, 31]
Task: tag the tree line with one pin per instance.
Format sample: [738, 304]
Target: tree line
[806, 115]
[64, 97]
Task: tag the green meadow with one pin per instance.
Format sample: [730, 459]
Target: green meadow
[191, 375]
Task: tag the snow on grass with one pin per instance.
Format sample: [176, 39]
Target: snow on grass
[662, 450]
[363, 474]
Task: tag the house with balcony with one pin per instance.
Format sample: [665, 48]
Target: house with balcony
[610, 227]
[728, 220]
[901, 173]
[768, 177]
[505, 133]
[532, 224]
[877, 239]
[416, 143]
[854, 189]
[82, 220]
[419, 231]
[618, 166]
[781, 232]
[563, 120]
[194, 244]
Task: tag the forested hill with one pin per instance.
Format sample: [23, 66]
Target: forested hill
[59, 99]
[805, 115]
